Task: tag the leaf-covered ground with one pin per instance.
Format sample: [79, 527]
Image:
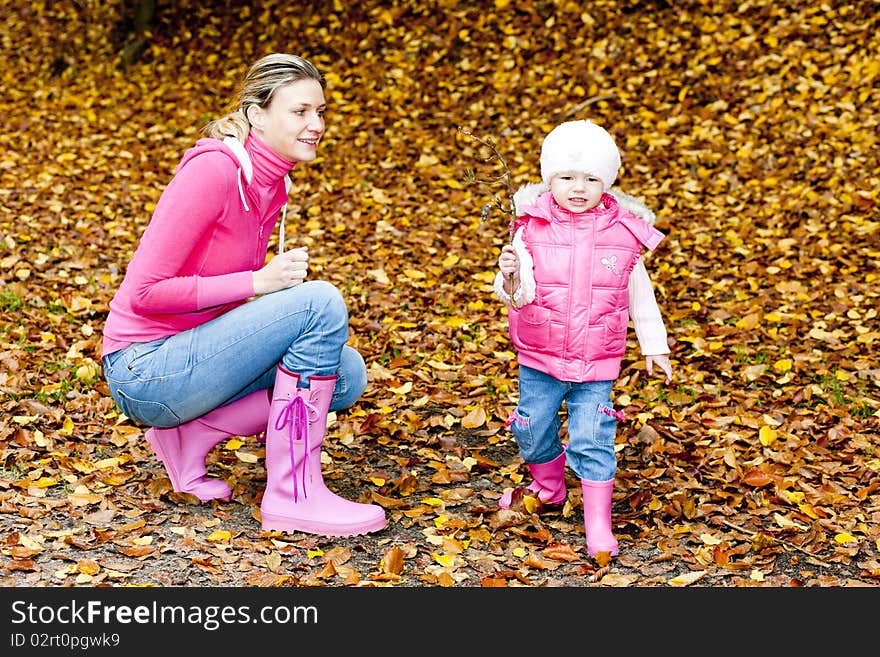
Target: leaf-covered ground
[751, 128]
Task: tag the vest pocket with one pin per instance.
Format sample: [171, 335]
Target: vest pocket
[532, 327]
[614, 339]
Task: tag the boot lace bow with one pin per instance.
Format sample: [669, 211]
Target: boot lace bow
[296, 416]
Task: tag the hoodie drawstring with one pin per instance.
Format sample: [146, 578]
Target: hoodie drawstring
[241, 192]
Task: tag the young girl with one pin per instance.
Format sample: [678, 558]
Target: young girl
[202, 326]
[577, 280]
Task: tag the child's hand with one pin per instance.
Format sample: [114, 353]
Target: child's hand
[661, 361]
[508, 261]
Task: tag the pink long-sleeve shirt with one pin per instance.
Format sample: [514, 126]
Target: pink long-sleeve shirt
[208, 234]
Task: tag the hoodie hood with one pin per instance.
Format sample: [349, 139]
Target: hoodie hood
[233, 149]
[236, 151]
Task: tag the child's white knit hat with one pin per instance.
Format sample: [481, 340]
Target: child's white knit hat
[580, 146]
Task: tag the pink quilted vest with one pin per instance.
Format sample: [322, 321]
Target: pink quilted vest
[575, 329]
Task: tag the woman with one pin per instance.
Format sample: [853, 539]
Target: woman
[201, 326]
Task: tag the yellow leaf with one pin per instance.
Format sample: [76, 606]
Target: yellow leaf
[219, 535]
[782, 366]
[844, 538]
[315, 552]
[767, 435]
[445, 560]
[519, 552]
[748, 323]
[455, 322]
[378, 481]
[66, 427]
[233, 444]
[432, 501]
[450, 260]
[476, 418]
[88, 566]
[414, 273]
[44, 482]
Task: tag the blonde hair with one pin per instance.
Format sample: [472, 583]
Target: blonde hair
[263, 79]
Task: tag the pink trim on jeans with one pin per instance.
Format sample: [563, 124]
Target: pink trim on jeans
[615, 414]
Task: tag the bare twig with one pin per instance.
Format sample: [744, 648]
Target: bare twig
[506, 206]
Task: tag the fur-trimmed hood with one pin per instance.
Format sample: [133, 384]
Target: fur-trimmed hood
[528, 194]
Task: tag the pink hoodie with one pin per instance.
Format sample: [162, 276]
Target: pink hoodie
[208, 234]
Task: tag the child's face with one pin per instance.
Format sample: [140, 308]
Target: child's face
[576, 192]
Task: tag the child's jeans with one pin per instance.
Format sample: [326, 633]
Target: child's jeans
[166, 382]
[592, 423]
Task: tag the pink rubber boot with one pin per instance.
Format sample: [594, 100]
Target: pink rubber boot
[549, 482]
[296, 498]
[597, 516]
[183, 449]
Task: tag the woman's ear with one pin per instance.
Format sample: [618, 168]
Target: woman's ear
[255, 116]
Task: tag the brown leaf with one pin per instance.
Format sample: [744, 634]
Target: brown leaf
[757, 478]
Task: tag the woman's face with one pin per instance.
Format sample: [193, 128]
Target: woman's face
[293, 123]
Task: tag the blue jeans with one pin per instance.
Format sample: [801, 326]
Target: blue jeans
[170, 381]
[535, 423]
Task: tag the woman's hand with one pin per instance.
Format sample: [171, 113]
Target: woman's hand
[284, 270]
